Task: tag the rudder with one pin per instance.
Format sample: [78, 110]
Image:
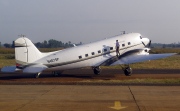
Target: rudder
[25, 51]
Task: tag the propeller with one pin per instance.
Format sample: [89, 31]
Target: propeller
[149, 45]
[143, 43]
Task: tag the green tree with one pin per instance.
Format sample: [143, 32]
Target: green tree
[13, 44]
[7, 45]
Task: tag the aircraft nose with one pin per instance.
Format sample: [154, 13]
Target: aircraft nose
[146, 42]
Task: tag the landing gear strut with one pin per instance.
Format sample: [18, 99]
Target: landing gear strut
[96, 70]
[127, 70]
[37, 75]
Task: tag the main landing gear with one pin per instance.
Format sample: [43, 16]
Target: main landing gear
[127, 70]
[97, 70]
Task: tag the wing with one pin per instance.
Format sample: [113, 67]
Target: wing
[140, 58]
[134, 56]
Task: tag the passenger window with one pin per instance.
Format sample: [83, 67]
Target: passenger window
[129, 43]
[80, 57]
[99, 51]
[123, 45]
[86, 55]
[105, 50]
[92, 53]
[111, 48]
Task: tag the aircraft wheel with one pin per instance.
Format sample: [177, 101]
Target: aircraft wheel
[97, 70]
[128, 71]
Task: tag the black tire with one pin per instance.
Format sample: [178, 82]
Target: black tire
[128, 71]
[97, 70]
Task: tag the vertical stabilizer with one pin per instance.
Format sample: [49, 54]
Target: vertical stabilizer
[25, 51]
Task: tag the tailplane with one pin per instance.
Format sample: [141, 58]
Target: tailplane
[26, 52]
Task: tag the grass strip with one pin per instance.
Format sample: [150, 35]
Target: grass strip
[146, 81]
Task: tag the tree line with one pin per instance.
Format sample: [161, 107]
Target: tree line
[59, 44]
[160, 45]
[45, 44]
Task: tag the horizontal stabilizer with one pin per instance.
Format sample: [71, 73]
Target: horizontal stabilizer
[9, 69]
[140, 58]
[34, 68]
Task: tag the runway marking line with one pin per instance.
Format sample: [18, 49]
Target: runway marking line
[117, 106]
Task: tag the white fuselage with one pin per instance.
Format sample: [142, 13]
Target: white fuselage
[92, 54]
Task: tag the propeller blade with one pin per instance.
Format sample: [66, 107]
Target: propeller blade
[143, 43]
[149, 43]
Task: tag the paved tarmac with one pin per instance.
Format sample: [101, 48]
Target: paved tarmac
[89, 98]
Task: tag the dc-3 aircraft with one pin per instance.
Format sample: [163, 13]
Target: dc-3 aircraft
[133, 48]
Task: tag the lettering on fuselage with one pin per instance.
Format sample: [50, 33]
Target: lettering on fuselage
[53, 60]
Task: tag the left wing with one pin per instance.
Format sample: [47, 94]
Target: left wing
[134, 56]
[140, 58]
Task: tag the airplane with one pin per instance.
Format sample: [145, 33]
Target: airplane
[133, 48]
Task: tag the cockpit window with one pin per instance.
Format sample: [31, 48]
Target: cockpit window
[140, 37]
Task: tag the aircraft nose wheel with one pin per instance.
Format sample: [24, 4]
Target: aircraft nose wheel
[128, 71]
[97, 70]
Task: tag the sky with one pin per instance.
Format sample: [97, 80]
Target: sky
[89, 20]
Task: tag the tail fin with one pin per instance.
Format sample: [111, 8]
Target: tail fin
[25, 51]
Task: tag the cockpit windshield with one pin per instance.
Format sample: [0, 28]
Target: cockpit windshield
[140, 37]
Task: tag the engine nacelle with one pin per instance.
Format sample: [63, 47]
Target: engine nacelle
[144, 51]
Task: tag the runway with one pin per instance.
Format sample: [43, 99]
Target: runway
[89, 98]
[22, 92]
